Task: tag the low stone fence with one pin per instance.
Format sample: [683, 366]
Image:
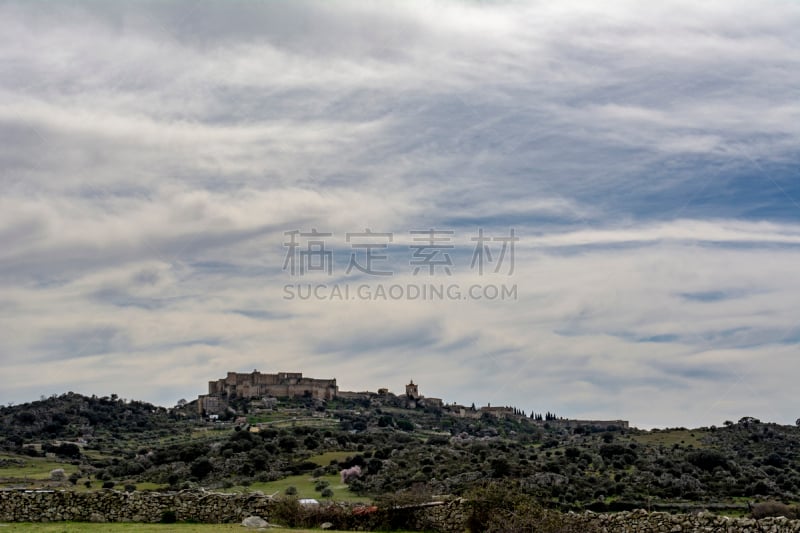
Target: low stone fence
[451, 516]
[635, 521]
[115, 506]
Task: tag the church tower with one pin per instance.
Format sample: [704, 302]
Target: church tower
[412, 391]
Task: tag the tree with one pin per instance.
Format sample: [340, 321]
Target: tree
[287, 444]
[201, 468]
[500, 467]
[405, 425]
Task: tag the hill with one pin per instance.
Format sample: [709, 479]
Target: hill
[303, 445]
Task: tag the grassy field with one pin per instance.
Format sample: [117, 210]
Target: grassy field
[33, 468]
[36, 470]
[324, 459]
[305, 488]
[684, 437]
[80, 527]
[35, 473]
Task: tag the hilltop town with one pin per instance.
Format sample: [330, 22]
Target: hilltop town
[269, 387]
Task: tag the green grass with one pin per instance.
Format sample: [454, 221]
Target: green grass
[308, 421]
[267, 418]
[151, 486]
[34, 467]
[305, 488]
[324, 459]
[81, 527]
[684, 437]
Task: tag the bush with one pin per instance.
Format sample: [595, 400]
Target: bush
[502, 507]
[707, 460]
[108, 484]
[291, 490]
[765, 509]
[290, 513]
[327, 492]
[201, 468]
[405, 425]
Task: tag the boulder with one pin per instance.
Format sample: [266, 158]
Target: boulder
[254, 522]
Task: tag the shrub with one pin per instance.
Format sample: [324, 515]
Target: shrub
[201, 468]
[405, 425]
[291, 490]
[501, 506]
[289, 512]
[707, 460]
[350, 474]
[764, 509]
[327, 492]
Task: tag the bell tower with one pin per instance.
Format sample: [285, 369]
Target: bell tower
[411, 390]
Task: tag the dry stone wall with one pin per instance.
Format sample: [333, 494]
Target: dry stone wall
[208, 507]
[115, 506]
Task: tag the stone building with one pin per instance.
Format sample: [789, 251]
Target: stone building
[597, 424]
[499, 412]
[414, 399]
[257, 385]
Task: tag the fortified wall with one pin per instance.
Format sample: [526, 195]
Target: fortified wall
[256, 385]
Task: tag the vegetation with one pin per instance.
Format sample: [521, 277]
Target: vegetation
[374, 450]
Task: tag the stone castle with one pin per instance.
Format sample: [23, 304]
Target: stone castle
[292, 384]
[257, 385]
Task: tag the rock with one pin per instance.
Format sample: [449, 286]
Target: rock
[326, 525]
[254, 522]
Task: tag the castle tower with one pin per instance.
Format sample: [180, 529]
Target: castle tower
[412, 391]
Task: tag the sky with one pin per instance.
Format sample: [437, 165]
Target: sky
[625, 173]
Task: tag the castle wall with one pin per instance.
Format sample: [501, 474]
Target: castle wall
[283, 384]
[570, 423]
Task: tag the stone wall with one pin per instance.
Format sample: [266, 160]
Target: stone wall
[208, 507]
[451, 517]
[667, 523]
[114, 506]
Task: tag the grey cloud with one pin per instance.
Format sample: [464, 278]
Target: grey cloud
[153, 154]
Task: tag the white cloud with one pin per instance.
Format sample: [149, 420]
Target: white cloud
[153, 155]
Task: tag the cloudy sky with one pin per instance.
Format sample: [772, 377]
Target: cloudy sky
[154, 155]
